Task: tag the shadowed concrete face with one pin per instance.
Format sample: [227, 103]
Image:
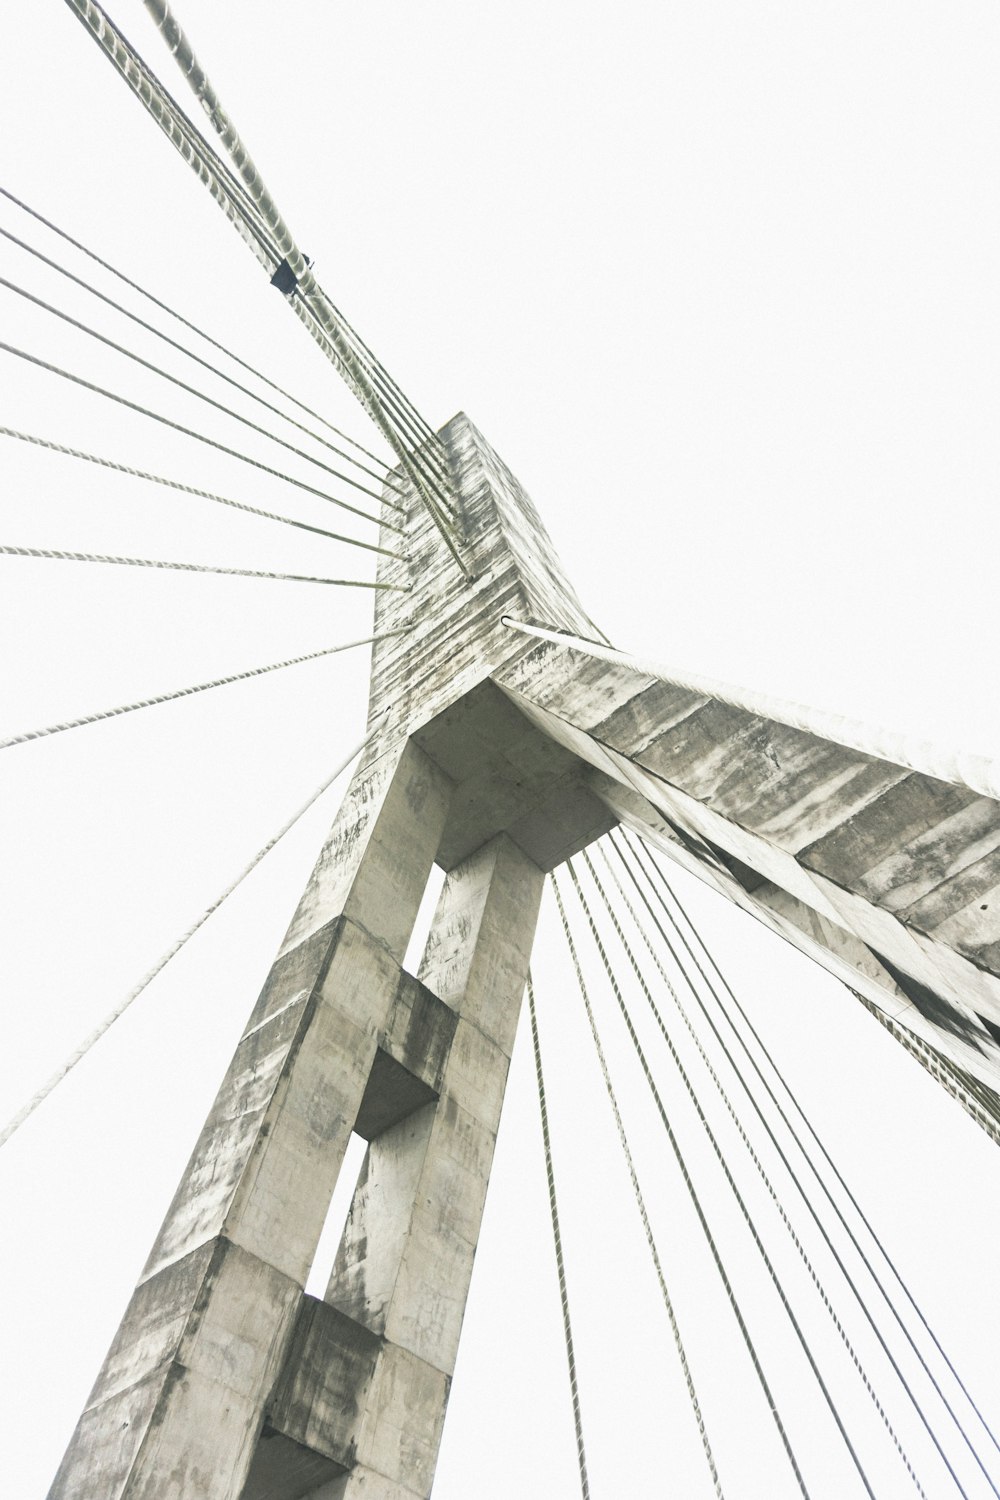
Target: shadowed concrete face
[509, 777]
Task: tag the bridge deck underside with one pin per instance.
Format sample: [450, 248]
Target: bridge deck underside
[511, 778]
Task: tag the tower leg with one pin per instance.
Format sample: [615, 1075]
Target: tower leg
[367, 1380]
[177, 1407]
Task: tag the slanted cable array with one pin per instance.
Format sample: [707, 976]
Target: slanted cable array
[200, 332]
[677, 945]
[696, 1203]
[744, 1138]
[357, 467]
[210, 401]
[175, 484]
[207, 440]
[213, 369]
[250, 208]
[390, 489]
[200, 437]
[103, 1026]
[388, 482]
[810, 1206]
[640, 1201]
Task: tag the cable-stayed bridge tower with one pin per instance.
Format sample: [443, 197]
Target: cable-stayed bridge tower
[505, 736]
[498, 756]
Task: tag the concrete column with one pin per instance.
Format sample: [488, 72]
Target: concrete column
[177, 1407]
[396, 1299]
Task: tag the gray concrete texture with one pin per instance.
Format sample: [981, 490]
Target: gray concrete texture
[888, 877]
[497, 757]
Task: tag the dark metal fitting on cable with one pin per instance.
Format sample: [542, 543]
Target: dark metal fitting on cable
[285, 278]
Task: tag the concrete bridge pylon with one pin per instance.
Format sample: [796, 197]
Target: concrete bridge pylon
[496, 756]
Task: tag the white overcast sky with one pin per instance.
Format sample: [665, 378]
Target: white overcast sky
[719, 281]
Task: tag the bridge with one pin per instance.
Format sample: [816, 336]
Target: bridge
[494, 692]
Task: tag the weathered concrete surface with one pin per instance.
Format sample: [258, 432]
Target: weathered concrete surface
[337, 1039]
[438, 1162]
[177, 1407]
[454, 636]
[366, 1377]
[509, 778]
[329, 1372]
[434, 677]
[888, 877]
[500, 758]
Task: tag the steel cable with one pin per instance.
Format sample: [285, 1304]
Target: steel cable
[581, 1455]
[720, 1157]
[415, 467]
[247, 205]
[201, 687]
[52, 554]
[201, 437]
[941, 1069]
[229, 194]
[199, 145]
[243, 214]
[702, 1220]
[154, 99]
[194, 328]
[410, 459]
[209, 400]
[637, 853]
[425, 443]
[641, 1205]
[306, 288]
[119, 1010]
[173, 484]
[205, 363]
[853, 1238]
[758, 1164]
[251, 180]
